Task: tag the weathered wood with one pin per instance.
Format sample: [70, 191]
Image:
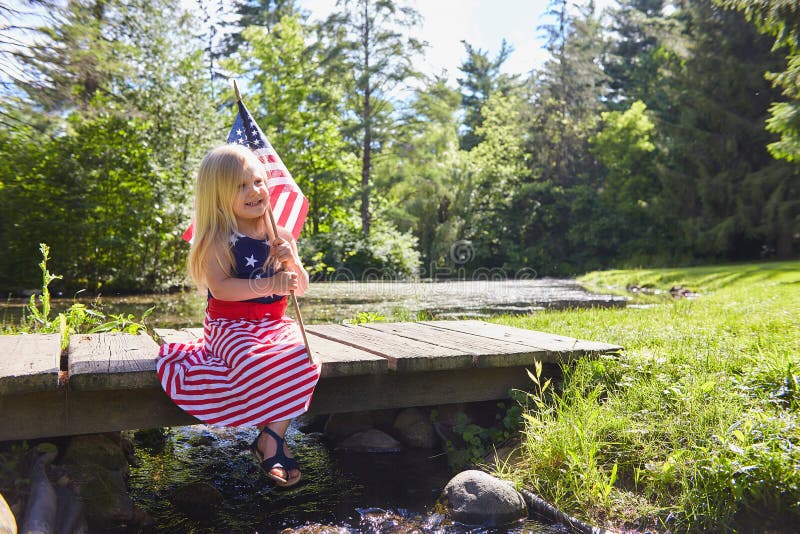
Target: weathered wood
[34, 415]
[485, 352]
[113, 384]
[404, 390]
[169, 335]
[337, 359]
[112, 361]
[64, 412]
[552, 343]
[29, 362]
[404, 354]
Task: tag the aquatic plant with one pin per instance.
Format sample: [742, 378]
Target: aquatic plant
[79, 318]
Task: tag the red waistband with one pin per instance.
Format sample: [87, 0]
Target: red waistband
[252, 311]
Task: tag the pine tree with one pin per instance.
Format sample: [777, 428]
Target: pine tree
[481, 79]
[637, 30]
[723, 194]
[380, 58]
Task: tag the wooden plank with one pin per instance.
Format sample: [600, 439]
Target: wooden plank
[530, 338]
[29, 362]
[404, 390]
[486, 352]
[62, 413]
[169, 335]
[337, 359]
[112, 361]
[403, 354]
[344, 360]
[34, 415]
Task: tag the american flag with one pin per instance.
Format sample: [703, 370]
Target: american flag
[289, 205]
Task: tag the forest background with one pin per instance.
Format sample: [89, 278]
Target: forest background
[657, 133]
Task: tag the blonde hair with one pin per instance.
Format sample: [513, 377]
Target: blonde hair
[218, 180]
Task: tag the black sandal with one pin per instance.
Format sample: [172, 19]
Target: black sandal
[278, 460]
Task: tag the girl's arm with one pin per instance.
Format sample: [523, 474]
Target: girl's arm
[223, 286]
[286, 251]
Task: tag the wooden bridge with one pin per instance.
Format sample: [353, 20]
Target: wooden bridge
[107, 382]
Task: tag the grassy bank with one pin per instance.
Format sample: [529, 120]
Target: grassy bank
[694, 427]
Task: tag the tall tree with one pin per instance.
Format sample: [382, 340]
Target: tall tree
[780, 18]
[129, 116]
[723, 194]
[481, 78]
[298, 97]
[266, 13]
[381, 57]
[423, 192]
[637, 29]
[570, 90]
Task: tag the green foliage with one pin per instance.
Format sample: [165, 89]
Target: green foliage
[696, 418]
[367, 317]
[77, 319]
[781, 19]
[481, 78]
[474, 442]
[345, 254]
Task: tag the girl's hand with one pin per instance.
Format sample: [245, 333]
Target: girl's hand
[283, 251]
[283, 283]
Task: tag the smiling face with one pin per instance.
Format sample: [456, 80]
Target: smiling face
[251, 198]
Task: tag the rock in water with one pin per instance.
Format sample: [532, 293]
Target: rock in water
[40, 512]
[476, 498]
[197, 499]
[415, 429]
[370, 441]
[8, 524]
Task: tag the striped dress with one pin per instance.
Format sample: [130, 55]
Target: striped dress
[251, 366]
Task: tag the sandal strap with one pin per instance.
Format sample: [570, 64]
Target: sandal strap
[279, 459]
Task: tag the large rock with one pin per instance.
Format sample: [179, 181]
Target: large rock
[414, 429]
[197, 499]
[342, 425]
[105, 497]
[99, 470]
[372, 440]
[96, 449]
[476, 498]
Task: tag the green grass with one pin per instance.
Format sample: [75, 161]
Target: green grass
[695, 425]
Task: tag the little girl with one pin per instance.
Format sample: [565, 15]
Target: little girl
[251, 367]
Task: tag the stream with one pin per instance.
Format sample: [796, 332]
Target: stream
[340, 492]
[327, 302]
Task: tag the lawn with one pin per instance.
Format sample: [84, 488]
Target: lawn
[694, 426]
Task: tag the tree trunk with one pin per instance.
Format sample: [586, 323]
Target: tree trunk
[366, 157]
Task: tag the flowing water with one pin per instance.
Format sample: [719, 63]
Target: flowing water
[375, 493]
[369, 493]
[340, 301]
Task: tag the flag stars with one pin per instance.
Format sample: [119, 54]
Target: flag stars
[251, 261]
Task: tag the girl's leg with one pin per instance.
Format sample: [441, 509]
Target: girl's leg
[268, 447]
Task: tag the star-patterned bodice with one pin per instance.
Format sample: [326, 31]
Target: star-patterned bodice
[250, 256]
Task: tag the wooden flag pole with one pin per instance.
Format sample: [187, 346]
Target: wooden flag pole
[275, 235]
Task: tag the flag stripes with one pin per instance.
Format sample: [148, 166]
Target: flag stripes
[289, 205]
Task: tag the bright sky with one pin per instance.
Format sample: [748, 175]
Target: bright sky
[482, 23]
